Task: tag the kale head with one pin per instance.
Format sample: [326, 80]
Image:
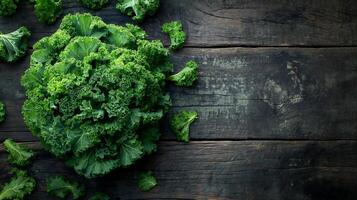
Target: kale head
[96, 93]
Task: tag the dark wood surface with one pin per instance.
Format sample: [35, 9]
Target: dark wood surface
[276, 97]
[233, 22]
[226, 170]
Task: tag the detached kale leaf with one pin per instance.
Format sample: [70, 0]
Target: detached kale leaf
[2, 111]
[18, 154]
[147, 181]
[176, 34]
[180, 124]
[94, 4]
[19, 186]
[187, 76]
[99, 196]
[60, 187]
[47, 11]
[13, 45]
[8, 7]
[138, 9]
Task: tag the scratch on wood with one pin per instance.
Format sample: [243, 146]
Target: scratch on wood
[279, 96]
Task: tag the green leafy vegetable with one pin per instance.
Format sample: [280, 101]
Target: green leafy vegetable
[47, 11]
[176, 34]
[8, 7]
[147, 181]
[19, 186]
[180, 124]
[18, 154]
[148, 138]
[2, 111]
[187, 76]
[13, 45]
[138, 9]
[95, 94]
[94, 4]
[60, 187]
[99, 196]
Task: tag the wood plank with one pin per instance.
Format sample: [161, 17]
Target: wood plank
[225, 170]
[231, 23]
[249, 93]
[272, 93]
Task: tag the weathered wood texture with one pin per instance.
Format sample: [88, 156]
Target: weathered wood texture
[287, 93]
[233, 22]
[250, 93]
[226, 170]
[273, 93]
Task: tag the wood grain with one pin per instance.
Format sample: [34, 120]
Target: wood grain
[249, 93]
[272, 93]
[276, 122]
[230, 23]
[267, 170]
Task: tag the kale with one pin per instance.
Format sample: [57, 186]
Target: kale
[61, 187]
[19, 186]
[176, 34]
[47, 11]
[18, 154]
[8, 7]
[138, 9]
[13, 45]
[180, 124]
[187, 76]
[96, 93]
[147, 181]
[94, 4]
[99, 196]
[2, 111]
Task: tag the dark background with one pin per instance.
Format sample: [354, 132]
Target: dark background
[276, 97]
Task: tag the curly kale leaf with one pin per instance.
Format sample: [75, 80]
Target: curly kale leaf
[60, 187]
[84, 25]
[154, 52]
[139, 33]
[18, 154]
[78, 49]
[147, 181]
[19, 186]
[138, 9]
[187, 76]
[2, 111]
[180, 124]
[14, 45]
[94, 4]
[92, 89]
[91, 164]
[148, 137]
[8, 7]
[176, 34]
[47, 11]
[99, 196]
[121, 37]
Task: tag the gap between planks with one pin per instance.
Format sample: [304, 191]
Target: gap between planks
[267, 46]
[199, 140]
[30, 48]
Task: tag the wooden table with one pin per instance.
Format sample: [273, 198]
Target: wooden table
[276, 96]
